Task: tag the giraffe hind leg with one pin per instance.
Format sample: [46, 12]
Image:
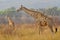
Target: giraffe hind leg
[51, 28]
[39, 31]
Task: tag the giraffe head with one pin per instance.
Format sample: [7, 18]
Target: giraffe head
[20, 8]
[7, 16]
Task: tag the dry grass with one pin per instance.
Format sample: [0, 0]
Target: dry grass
[26, 32]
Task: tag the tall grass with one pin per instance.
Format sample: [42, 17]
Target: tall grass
[26, 32]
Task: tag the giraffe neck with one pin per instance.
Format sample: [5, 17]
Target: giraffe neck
[30, 12]
[9, 19]
[35, 14]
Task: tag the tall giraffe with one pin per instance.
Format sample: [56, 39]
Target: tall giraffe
[10, 22]
[41, 19]
[11, 25]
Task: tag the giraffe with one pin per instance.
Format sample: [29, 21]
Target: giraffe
[41, 19]
[11, 26]
[10, 22]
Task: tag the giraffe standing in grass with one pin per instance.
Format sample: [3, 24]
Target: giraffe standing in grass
[41, 19]
[11, 26]
[10, 22]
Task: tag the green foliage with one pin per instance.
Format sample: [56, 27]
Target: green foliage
[8, 10]
[54, 11]
[50, 11]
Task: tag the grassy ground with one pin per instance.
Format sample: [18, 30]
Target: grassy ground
[26, 32]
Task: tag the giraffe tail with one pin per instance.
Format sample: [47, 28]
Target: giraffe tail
[55, 30]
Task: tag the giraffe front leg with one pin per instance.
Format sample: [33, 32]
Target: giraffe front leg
[51, 28]
[39, 27]
[40, 30]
